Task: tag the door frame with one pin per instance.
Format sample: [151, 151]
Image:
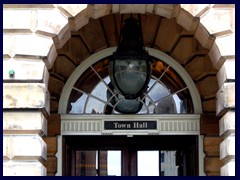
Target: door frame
[129, 146]
[171, 124]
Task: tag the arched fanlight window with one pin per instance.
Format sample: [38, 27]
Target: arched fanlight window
[166, 93]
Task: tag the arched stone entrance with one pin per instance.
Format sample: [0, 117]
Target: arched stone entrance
[34, 48]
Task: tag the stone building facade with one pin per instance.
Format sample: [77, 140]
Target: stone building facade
[41, 50]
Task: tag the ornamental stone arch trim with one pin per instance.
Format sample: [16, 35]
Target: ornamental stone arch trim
[32, 34]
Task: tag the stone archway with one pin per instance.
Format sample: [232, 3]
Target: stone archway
[30, 48]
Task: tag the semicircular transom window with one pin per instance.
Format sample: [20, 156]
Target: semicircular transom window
[166, 93]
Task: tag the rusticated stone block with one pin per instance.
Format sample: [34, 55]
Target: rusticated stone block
[54, 124]
[218, 21]
[25, 147]
[25, 70]
[209, 125]
[132, 8]
[165, 10]
[212, 166]
[18, 21]
[227, 148]
[212, 145]
[51, 165]
[225, 98]
[98, 10]
[220, 52]
[51, 145]
[187, 21]
[226, 72]
[227, 123]
[25, 95]
[50, 22]
[228, 169]
[24, 123]
[23, 168]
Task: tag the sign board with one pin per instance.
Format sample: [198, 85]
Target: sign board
[131, 125]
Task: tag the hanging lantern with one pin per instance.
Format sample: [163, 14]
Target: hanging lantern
[129, 67]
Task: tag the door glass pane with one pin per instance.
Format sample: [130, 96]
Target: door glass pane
[168, 163]
[148, 163]
[114, 163]
[98, 163]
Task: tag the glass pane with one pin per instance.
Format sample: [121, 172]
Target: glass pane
[86, 163]
[158, 91]
[168, 163]
[78, 105]
[98, 163]
[148, 163]
[166, 106]
[94, 106]
[114, 163]
[100, 91]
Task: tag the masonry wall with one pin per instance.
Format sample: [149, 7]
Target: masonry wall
[32, 34]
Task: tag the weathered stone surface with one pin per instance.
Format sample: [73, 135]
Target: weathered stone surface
[98, 10]
[8, 46]
[54, 124]
[209, 105]
[51, 145]
[80, 20]
[208, 87]
[25, 147]
[212, 166]
[17, 21]
[165, 10]
[167, 35]
[132, 8]
[25, 6]
[64, 67]
[187, 21]
[32, 45]
[71, 10]
[196, 10]
[24, 122]
[228, 169]
[50, 22]
[21, 168]
[227, 148]
[218, 21]
[209, 125]
[51, 165]
[25, 70]
[25, 95]
[199, 67]
[203, 37]
[226, 72]
[211, 145]
[225, 97]
[227, 123]
[184, 49]
[220, 52]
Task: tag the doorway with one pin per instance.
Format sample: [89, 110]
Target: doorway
[130, 156]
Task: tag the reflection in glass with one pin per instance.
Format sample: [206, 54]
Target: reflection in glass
[168, 163]
[148, 163]
[94, 93]
[98, 163]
